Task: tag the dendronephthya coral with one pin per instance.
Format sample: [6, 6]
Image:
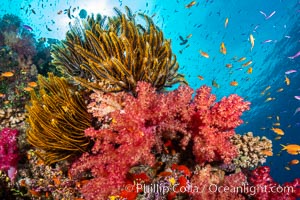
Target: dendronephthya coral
[113, 54]
[253, 151]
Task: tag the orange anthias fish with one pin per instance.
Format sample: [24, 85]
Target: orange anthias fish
[267, 153]
[32, 84]
[201, 78]
[27, 89]
[191, 4]
[293, 149]
[294, 162]
[215, 84]
[7, 74]
[287, 80]
[229, 65]
[204, 54]
[241, 59]
[278, 131]
[223, 48]
[251, 38]
[249, 71]
[247, 63]
[234, 83]
[226, 22]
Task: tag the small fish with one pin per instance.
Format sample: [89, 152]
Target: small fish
[234, 83]
[290, 71]
[278, 131]
[27, 89]
[269, 99]
[33, 11]
[267, 153]
[287, 80]
[223, 48]
[293, 149]
[295, 56]
[204, 54]
[201, 77]
[294, 162]
[29, 28]
[215, 84]
[297, 110]
[189, 36]
[229, 65]
[190, 4]
[276, 124]
[287, 168]
[262, 128]
[277, 118]
[241, 59]
[7, 74]
[267, 41]
[247, 63]
[59, 12]
[279, 90]
[249, 71]
[268, 17]
[251, 38]
[2, 95]
[226, 22]
[32, 84]
[297, 97]
[269, 117]
[48, 29]
[277, 138]
[264, 14]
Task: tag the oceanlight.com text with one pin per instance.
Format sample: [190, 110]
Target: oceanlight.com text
[213, 188]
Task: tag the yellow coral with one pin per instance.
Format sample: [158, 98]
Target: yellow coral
[113, 54]
[57, 117]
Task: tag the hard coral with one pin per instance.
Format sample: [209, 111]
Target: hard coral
[252, 150]
[9, 152]
[113, 55]
[57, 117]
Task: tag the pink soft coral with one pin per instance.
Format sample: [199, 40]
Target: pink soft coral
[141, 124]
[213, 124]
[9, 152]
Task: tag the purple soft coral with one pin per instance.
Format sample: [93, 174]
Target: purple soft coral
[9, 152]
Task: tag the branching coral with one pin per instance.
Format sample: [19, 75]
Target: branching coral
[252, 150]
[113, 54]
[57, 117]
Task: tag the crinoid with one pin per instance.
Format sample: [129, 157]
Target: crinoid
[112, 54]
[57, 118]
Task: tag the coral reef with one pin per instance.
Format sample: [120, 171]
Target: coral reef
[57, 117]
[12, 117]
[267, 188]
[253, 151]
[113, 54]
[9, 152]
[146, 122]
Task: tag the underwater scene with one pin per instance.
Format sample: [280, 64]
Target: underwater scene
[149, 100]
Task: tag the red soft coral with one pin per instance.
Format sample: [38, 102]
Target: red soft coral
[213, 124]
[140, 125]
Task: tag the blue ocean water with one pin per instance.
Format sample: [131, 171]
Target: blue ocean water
[205, 22]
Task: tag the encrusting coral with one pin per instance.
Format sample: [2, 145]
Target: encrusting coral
[113, 54]
[57, 117]
[252, 150]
